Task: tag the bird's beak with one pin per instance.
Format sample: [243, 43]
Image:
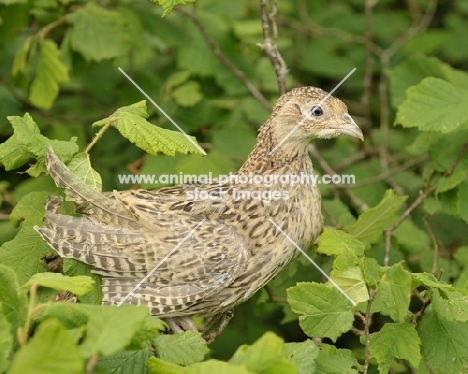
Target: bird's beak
[349, 127]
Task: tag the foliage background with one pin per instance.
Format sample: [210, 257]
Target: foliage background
[59, 63]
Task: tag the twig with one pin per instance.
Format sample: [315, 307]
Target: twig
[272, 297]
[46, 29]
[358, 203]
[369, 5]
[385, 57]
[221, 57]
[367, 322]
[314, 29]
[422, 196]
[332, 219]
[271, 49]
[14, 93]
[92, 363]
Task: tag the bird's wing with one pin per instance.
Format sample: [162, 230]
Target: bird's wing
[189, 266]
[187, 259]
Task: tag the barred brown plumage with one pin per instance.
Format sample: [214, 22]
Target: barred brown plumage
[235, 251]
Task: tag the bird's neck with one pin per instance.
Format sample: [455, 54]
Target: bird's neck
[268, 157]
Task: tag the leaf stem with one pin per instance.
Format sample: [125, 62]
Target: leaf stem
[99, 135]
[23, 332]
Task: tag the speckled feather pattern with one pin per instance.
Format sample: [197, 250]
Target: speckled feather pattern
[234, 252]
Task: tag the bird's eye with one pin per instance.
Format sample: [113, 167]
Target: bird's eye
[316, 111]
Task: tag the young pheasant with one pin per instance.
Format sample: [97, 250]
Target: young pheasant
[210, 254]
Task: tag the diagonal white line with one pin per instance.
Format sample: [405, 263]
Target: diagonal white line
[162, 111]
[160, 263]
[313, 262]
[309, 113]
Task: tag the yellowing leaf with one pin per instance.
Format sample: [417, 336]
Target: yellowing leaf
[78, 285]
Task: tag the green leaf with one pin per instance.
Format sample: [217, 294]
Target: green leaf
[443, 343]
[20, 62]
[433, 105]
[428, 280]
[157, 366]
[188, 94]
[332, 360]
[24, 253]
[30, 209]
[6, 340]
[51, 350]
[264, 356]
[98, 33]
[177, 78]
[371, 271]
[215, 367]
[131, 123]
[461, 255]
[351, 281]
[78, 285]
[450, 305]
[72, 267]
[71, 315]
[27, 142]
[339, 211]
[371, 223]
[345, 247]
[80, 165]
[411, 238]
[411, 72]
[50, 72]
[337, 242]
[325, 311]
[182, 349]
[168, 5]
[395, 341]
[134, 362]
[445, 184]
[111, 329]
[450, 201]
[393, 294]
[303, 355]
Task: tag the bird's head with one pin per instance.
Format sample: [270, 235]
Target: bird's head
[307, 113]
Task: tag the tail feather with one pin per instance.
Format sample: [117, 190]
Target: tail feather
[102, 207]
[170, 300]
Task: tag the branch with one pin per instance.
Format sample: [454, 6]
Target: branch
[385, 176]
[221, 57]
[358, 203]
[271, 49]
[369, 5]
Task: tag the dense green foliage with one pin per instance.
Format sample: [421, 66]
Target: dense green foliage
[396, 241]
